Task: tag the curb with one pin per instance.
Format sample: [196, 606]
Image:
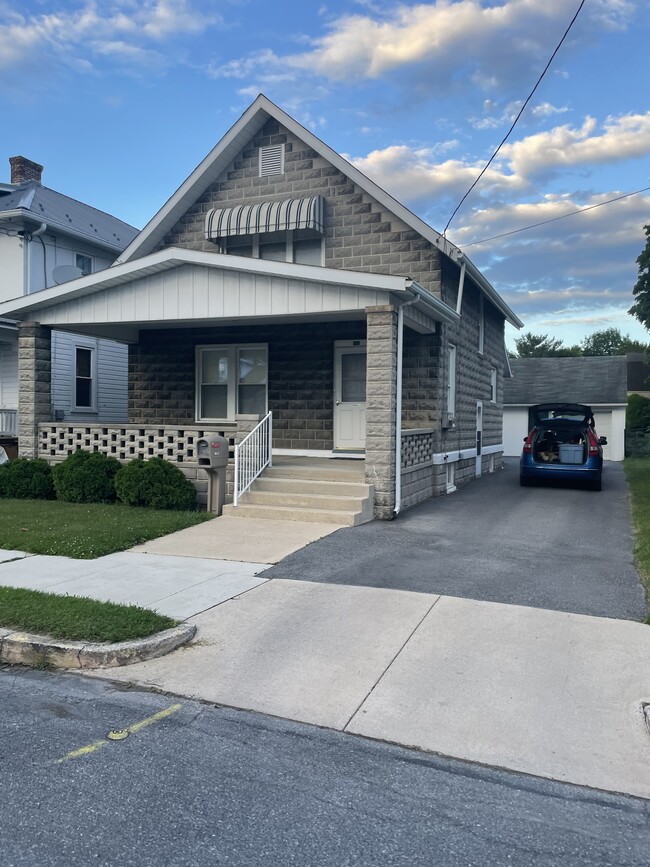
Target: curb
[24, 648]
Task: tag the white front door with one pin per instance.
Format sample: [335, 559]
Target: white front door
[350, 394]
[479, 436]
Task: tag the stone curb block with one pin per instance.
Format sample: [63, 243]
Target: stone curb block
[23, 648]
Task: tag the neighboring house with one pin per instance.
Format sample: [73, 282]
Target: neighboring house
[47, 238]
[279, 278]
[598, 381]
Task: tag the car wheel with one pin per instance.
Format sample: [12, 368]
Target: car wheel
[597, 485]
[524, 482]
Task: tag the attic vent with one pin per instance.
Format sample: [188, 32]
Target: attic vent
[272, 160]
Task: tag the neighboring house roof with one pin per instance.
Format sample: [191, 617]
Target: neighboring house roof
[591, 380]
[237, 138]
[35, 203]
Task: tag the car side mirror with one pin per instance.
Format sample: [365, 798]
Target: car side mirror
[602, 441]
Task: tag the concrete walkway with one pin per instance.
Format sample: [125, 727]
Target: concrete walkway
[543, 692]
[179, 575]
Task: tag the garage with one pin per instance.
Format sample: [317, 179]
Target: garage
[598, 381]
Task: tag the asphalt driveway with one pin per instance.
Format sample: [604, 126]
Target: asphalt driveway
[560, 548]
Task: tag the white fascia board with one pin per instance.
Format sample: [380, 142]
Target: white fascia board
[174, 257]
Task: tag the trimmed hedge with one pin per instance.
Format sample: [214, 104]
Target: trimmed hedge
[154, 483]
[86, 477]
[25, 479]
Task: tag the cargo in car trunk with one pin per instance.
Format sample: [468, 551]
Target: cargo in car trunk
[570, 453]
[560, 445]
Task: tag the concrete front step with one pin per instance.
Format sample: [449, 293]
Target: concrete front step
[339, 471]
[289, 513]
[305, 500]
[295, 485]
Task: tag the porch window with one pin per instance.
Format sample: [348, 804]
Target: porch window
[84, 370]
[231, 381]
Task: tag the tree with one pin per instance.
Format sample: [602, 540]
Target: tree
[531, 345]
[641, 307]
[610, 341]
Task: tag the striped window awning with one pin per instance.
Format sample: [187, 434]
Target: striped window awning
[304, 213]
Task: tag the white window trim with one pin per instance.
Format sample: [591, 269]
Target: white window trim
[493, 384]
[92, 348]
[233, 350]
[451, 477]
[481, 325]
[451, 380]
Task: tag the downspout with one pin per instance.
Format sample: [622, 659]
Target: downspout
[398, 405]
[461, 286]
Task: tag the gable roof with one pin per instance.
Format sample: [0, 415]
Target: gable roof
[590, 380]
[229, 147]
[33, 202]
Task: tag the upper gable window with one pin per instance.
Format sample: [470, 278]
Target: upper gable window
[84, 264]
[272, 160]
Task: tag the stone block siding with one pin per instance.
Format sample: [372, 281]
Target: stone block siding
[473, 368]
[361, 235]
[422, 380]
[300, 388]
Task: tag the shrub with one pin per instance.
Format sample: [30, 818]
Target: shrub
[155, 483]
[638, 412]
[86, 477]
[25, 479]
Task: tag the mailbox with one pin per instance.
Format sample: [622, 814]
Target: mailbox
[212, 452]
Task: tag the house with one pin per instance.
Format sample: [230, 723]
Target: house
[598, 381]
[47, 238]
[279, 278]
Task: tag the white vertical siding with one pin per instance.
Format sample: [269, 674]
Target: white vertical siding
[8, 375]
[111, 378]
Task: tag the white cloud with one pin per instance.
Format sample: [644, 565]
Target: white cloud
[545, 109]
[446, 41]
[93, 30]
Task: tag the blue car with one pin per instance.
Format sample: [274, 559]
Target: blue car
[562, 446]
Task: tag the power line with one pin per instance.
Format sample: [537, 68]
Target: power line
[514, 123]
[554, 219]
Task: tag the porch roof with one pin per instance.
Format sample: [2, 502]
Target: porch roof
[177, 286]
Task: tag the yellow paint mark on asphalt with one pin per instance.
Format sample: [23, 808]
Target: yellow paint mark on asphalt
[132, 729]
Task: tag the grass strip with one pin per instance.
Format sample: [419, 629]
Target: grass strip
[77, 618]
[637, 471]
[85, 530]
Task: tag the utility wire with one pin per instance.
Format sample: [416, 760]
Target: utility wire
[554, 219]
[514, 123]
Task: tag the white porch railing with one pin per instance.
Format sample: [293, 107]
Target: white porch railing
[9, 422]
[252, 455]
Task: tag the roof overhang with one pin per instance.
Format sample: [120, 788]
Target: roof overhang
[397, 289]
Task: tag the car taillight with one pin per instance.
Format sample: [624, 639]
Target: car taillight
[528, 443]
[594, 446]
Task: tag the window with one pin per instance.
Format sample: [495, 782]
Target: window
[231, 381]
[493, 385]
[302, 246]
[272, 160]
[84, 263]
[84, 391]
[481, 324]
[451, 380]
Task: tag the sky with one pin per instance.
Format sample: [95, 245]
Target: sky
[120, 100]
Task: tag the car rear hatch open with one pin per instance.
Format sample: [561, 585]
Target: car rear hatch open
[542, 412]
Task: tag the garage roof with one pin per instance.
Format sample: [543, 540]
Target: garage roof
[590, 380]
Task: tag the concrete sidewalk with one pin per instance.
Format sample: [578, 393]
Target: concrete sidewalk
[179, 575]
[542, 692]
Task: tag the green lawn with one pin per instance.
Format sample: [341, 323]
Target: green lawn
[84, 531]
[76, 617]
[637, 471]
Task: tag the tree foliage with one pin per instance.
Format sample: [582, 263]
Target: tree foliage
[641, 307]
[608, 341]
[638, 412]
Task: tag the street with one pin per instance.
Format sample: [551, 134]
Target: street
[188, 783]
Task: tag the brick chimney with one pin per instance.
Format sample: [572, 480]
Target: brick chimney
[23, 170]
